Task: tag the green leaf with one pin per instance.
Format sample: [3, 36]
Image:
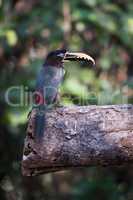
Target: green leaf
[11, 37]
[130, 25]
[74, 87]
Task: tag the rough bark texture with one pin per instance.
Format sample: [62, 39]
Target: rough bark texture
[79, 137]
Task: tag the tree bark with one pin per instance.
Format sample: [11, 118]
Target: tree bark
[78, 137]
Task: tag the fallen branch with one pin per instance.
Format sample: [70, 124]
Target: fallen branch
[79, 137]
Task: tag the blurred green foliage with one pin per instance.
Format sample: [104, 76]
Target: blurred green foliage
[28, 30]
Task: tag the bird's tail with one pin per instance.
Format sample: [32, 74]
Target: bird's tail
[40, 122]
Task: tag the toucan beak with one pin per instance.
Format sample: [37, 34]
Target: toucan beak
[78, 57]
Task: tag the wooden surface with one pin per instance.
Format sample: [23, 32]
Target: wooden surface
[79, 137]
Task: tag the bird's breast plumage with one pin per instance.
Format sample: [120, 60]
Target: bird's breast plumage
[48, 81]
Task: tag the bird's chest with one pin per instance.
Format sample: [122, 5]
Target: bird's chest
[48, 82]
[53, 76]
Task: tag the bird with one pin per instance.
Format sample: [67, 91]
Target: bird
[48, 81]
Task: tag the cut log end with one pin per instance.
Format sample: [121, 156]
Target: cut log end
[79, 137]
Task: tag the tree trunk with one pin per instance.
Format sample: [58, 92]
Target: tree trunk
[78, 137]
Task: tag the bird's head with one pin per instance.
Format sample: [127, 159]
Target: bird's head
[58, 57]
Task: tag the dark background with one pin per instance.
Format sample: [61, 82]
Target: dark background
[28, 30]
